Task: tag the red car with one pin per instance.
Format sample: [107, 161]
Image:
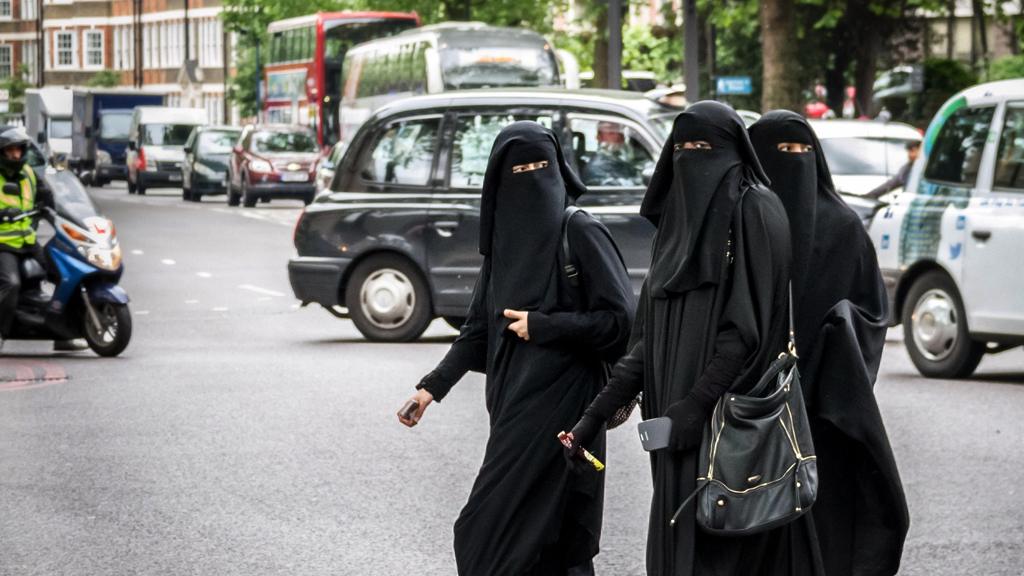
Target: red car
[273, 161]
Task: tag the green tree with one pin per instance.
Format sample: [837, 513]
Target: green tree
[104, 79]
[16, 84]
[1007, 68]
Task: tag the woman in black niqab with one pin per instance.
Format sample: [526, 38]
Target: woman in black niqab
[542, 345]
[860, 516]
[712, 316]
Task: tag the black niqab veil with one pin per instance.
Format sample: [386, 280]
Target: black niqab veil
[526, 188]
[860, 517]
[527, 513]
[692, 196]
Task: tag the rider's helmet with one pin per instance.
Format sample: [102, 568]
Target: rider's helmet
[13, 137]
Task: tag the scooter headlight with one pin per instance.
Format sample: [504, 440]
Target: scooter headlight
[104, 258]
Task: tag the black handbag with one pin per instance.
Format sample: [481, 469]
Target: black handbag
[757, 467]
[572, 275]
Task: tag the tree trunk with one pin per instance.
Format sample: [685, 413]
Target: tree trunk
[835, 78]
[781, 83]
[950, 29]
[601, 48]
[864, 71]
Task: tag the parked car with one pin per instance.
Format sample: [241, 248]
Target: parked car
[207, 153]
[273, 161]
[949, 246]
[156, 145]
[394, 244]
[326, 167]
[862, 154]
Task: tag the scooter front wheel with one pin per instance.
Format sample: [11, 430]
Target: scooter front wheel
[108, 334]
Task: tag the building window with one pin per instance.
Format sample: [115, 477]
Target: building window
[5, 9]
[29, 9]
[94, 49]
[65, 49]
[5, 61]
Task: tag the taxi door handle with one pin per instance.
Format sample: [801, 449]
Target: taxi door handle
[445, 228]
[982, 235]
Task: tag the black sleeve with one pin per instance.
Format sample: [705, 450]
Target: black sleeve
[627, 377]
[44, 195]
[469, 351]
[602, 326]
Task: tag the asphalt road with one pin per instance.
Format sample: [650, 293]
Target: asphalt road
[240, 434]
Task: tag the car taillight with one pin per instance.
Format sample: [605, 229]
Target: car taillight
[140, 160]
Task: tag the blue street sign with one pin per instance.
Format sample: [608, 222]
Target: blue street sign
[739, 85]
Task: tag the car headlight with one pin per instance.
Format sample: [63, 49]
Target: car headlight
[104, 258]
[103, 157]
[260, 166]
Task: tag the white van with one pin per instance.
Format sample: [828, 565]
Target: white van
[156, 142]
[951, 247]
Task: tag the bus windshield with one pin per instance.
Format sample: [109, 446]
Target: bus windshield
[480, 67]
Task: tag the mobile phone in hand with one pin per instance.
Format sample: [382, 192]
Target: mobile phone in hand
[408, 412]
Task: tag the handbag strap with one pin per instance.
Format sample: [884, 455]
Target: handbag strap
[792, 324]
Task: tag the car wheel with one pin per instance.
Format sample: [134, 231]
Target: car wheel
[98, 182]
[233, 197]
[186, 194]
[131, 186]
[248, 200]
[935, 329]
[455, 321]
[308, 198]
[388, 299]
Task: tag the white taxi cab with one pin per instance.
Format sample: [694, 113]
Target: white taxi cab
[951, 246]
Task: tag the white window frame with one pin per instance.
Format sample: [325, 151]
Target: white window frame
[29, 9]
[10, 10]
[87, 49]
[73, 49]
[10, 61]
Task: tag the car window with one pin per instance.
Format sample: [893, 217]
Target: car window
[609, 153]
[60, 128]
[166, 134]
[1010, 160]
[956, 155]
[216, 142]
[474, 136]
[279, 141]
[865, 156]
[404, 153]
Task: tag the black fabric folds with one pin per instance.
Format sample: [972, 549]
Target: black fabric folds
[861, 515]
[527, 512]
[712, 316]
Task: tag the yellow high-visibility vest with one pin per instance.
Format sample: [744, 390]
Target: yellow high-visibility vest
[20, 233]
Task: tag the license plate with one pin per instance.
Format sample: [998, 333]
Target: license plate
[294, 177]
[175, 178]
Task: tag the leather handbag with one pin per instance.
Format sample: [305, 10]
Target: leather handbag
[757, 468]
[572, 276]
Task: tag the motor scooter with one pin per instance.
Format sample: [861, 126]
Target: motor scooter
[83, 267]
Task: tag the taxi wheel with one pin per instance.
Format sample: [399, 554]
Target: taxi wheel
[388, 299]
[935, 329]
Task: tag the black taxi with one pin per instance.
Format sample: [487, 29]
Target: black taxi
[393, 243]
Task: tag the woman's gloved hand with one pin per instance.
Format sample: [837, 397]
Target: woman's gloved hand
[583, 435]
[689, 417]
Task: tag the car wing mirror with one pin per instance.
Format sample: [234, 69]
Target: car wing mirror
[188, 149]
[131, 145]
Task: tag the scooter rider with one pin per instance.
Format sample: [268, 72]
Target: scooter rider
[17, 237]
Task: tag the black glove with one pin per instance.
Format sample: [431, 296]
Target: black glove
[583, 435]
[689, 417]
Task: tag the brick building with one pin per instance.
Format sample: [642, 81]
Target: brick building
[176, 47]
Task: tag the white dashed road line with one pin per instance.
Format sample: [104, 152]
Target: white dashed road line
[259, 290]
[168, 262]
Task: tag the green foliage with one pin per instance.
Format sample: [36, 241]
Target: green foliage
[1007, 68]
[16, 84]
[104, 79]
[642, 50]
[942, 79]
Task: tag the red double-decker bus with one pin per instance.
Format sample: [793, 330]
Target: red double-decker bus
[302, 74]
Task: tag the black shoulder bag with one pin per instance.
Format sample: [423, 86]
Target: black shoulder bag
[573, 276]
[757, 468]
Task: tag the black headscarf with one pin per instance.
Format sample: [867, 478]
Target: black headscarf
[841, 321]
[692, 196]
[521, 215]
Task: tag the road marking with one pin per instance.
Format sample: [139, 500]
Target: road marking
[264, 299]
[203, 274]
[138, 252]
[168, 261]
[259, 290]
[141, 312]
[32, 374]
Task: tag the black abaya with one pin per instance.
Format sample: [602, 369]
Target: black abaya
[861, 515]
[527, 513]
[711, 318]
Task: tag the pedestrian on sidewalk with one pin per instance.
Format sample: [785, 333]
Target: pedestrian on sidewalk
[543, 345]
[712, 317]
[860, 517]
